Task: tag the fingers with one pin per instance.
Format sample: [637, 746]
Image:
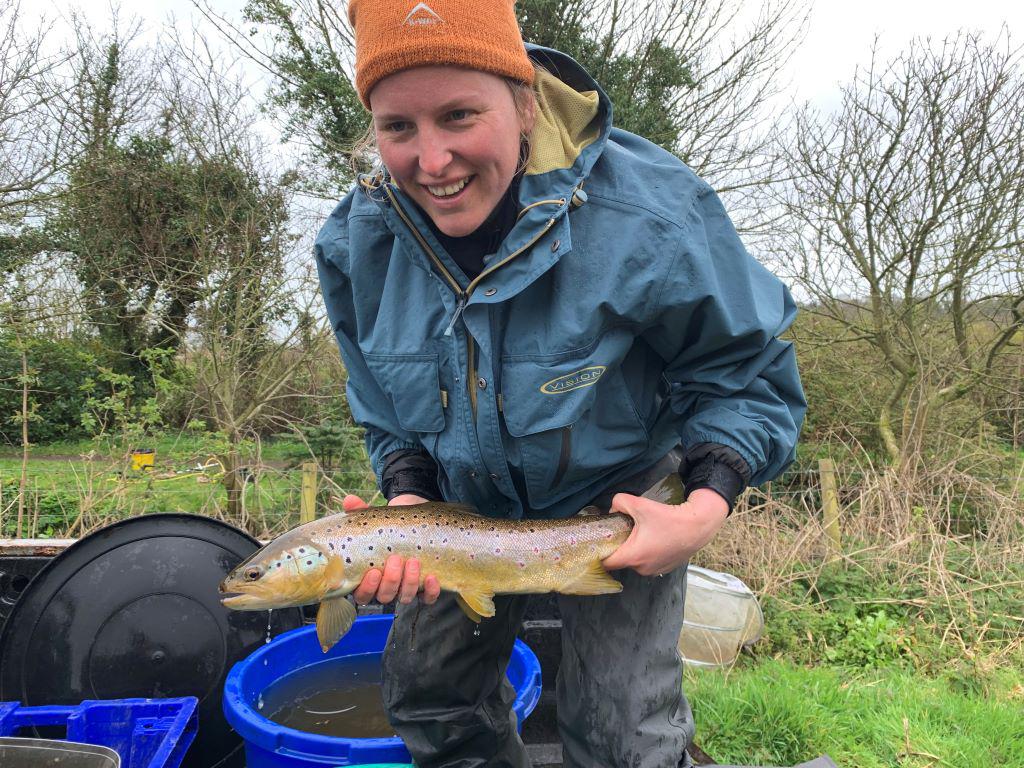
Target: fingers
[431, 590]
[351, 502]
[406, 499]
[367, 588]
[623, 557]
[391, 580]
[625, 503]
[411, 581]
[397, 580]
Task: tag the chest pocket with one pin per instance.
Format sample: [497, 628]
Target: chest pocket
[412, 384]
[571, 421]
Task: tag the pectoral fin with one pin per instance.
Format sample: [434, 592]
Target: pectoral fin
[335, 574]
[473, 615]
[594, 581]
[479, 603]
[333, 620]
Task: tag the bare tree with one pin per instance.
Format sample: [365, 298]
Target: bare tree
[692, 75]
[31, 140]
[905, 214]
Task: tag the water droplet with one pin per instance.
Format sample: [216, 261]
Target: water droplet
[270, 615]
[259, 702]
[476, 631]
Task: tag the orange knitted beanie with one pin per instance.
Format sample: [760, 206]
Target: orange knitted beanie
[392, 35]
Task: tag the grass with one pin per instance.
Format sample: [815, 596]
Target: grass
[76, 487]
[777, 713]
[905, 650]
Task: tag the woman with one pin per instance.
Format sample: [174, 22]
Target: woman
[538, 311]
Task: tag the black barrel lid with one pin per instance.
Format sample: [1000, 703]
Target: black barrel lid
[133, 611]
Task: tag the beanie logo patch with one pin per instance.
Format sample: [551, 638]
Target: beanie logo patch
[422, 15]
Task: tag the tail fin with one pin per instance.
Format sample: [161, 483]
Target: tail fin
[668, 490]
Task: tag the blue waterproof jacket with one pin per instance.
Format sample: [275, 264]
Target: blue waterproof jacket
[620, 317]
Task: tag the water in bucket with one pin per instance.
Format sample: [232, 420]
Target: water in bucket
[348, 706]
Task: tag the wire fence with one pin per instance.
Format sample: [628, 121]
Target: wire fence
[71, 497]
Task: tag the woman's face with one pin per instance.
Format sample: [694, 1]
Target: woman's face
[450, 139]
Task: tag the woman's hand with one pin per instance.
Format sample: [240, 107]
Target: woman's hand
[665, 536]
[399, 578]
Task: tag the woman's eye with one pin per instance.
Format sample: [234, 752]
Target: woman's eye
[396, 126]
[457, 115]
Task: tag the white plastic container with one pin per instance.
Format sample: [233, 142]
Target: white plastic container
[721, 615]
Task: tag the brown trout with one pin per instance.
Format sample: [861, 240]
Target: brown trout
[473, 556]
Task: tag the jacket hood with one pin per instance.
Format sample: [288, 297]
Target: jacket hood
[574, 119]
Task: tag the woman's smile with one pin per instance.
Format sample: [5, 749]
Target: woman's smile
[455, 156]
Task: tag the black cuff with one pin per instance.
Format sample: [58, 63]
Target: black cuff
[714, 466]
[410, 471]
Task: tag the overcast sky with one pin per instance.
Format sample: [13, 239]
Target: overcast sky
[838, 39]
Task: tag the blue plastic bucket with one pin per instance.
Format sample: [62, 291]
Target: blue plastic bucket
[269, 745]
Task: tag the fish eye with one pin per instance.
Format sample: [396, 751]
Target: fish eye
[252, 574]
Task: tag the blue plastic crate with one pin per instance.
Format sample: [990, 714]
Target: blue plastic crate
[146, 733]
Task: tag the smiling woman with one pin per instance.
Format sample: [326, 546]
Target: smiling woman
[455, 158]
[539, 312]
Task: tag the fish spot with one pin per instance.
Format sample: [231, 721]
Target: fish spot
[287, 557]
[330, 545]
[348, 560]
[278, 565]
[309, 562]
[348, 538]
[380, 530]
[370, 547]
[419, 547]
[522, 564]
[497, 550]
[472, 556]
[536, 549]
[389, 549]
[302, 550]
[533, 530]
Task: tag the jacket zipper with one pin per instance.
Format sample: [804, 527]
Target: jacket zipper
[462, 296]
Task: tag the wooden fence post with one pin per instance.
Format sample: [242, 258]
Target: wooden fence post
[829, 502]
[307, 509]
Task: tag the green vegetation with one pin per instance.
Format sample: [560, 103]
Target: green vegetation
[77, 486]
[155, 293]
[778, 713]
